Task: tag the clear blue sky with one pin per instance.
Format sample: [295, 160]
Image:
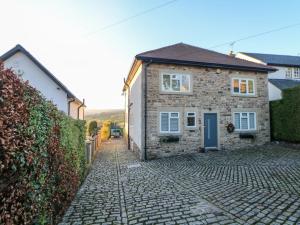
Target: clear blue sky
[93, 66]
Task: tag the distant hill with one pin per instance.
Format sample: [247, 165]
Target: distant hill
[114, 115]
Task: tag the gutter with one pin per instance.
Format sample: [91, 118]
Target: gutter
[78, 110]
[128, 109]
[145, 110]
[208, 65]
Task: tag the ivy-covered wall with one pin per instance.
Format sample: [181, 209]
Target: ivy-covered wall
[285, 116]
[42, 161]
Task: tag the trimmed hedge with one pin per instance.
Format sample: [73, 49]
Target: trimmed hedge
[42, 161]
[285, 116]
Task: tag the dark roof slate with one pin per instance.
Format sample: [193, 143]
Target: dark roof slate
[191, 55]
[273, 60]
[283, 84]
[19, 48]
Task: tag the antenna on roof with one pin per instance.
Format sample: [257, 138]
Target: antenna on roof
[231, 53]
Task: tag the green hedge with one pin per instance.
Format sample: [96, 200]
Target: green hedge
[42, 161]
[285, 116]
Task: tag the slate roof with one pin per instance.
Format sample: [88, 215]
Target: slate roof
[283, 84]
[19, 48]
[276, 60]
[185, 54]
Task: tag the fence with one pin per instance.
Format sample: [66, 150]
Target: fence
[91, 147]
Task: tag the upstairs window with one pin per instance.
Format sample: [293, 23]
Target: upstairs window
[169, 122]
[297, 73]
[289, 73]
[245, 121]
[191, 119]
[176, 83]
[292, 73]
[243, 86]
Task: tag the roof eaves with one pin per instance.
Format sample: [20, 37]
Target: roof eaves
[203, 64]
[19, 48]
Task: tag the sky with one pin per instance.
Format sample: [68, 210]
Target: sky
[68, 38]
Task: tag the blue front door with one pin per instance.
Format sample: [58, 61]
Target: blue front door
[210, 130]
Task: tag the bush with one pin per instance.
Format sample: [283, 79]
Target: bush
[42, 159]
[105, 130]
[93, 127]
[285, 116]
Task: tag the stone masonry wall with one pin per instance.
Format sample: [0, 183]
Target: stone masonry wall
[211, 93]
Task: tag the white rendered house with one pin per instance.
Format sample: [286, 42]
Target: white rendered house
[286, 76]
[31, 70]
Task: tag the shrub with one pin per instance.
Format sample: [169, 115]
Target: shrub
[105, 130]
[41, 155]
[92, 127]
[285, 116]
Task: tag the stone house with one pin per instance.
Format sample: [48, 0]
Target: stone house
[182, 99]
[31, 70]
[286, 76]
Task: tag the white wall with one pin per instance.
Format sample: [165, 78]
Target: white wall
[74, 110]
[279, 74]
[135, 120]
[274, 92]
[21, 64]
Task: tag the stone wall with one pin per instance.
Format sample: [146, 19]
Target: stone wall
[211, 92]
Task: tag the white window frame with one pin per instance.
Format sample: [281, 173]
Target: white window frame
[169, 117]
[247, 86]
[180, 80]
[292, 73]
[186, 119]
[289, 73]
[296, 73]
[248, 121]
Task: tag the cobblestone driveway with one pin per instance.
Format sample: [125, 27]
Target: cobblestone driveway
[244, 187]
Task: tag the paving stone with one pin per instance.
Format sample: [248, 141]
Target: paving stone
[258, 186]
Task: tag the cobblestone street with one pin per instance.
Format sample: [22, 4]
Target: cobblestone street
[242, 187]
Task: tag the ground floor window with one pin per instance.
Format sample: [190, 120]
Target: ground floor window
[244, 121]
[191, 119]
[169, 122]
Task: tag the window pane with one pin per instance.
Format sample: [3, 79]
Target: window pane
[191, 121]
[243, 86]
[244, 114]
[175, 85]
[185, 86]
[175, 115]
[164, 126]
[297, 73]
[244, 124]
[289, 73]
[252, 121]
[237, 121]
[166, 82]
[236, 88]
[250, 86]
[174, 124]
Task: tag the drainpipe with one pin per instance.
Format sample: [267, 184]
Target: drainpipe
[128, 109]
[69, 105]
[145, 115]
[78, 110]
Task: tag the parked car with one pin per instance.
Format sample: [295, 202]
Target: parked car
[115, 133]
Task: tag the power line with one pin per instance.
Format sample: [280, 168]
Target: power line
[254, 35]
[132, 17]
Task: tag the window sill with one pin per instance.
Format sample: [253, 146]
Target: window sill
[190, 128]
[169, 134]
[245, 131]
[245, 96]
[175, 93]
